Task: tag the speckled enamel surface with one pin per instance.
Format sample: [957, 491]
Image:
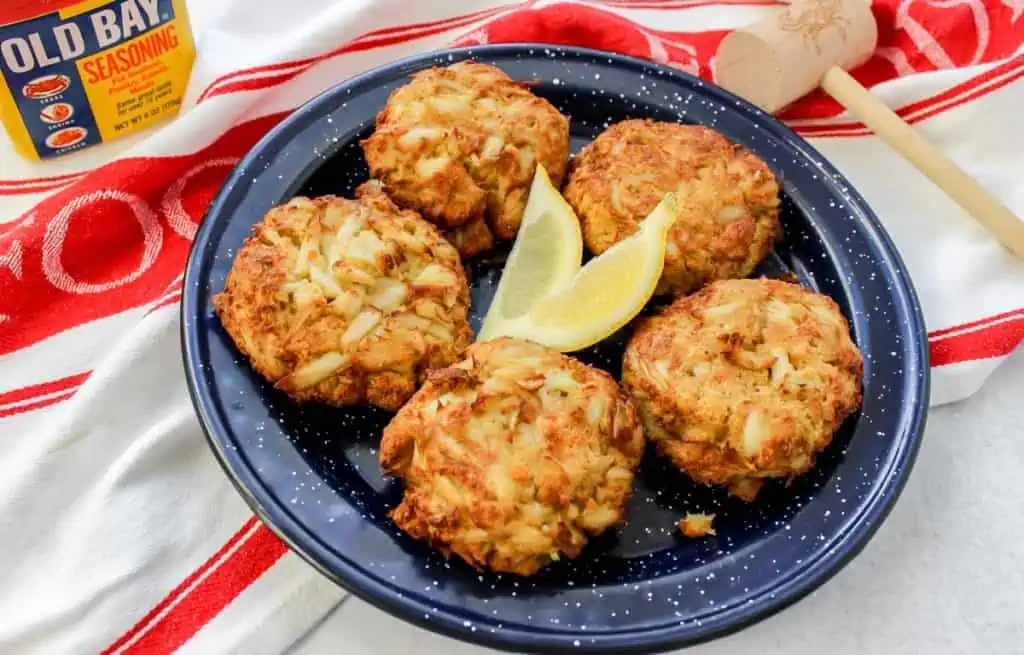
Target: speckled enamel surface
[311, 472]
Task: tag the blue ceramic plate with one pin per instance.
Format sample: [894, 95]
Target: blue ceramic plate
[311, 472]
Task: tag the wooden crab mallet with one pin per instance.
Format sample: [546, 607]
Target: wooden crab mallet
[812, 43]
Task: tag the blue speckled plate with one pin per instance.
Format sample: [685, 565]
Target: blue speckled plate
[311, 473]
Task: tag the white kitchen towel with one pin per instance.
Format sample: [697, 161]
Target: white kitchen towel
[121, 534]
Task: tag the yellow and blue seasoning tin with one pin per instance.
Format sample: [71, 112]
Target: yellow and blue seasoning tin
[77, 73]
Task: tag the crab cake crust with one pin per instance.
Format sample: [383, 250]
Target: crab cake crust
[344, 301]
[469, 239]
[472, 238]
[461, 143]
[513, 457]
[744, 380]
[728, 198]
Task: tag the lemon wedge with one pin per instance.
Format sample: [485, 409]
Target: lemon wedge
[602, 296]
[547, 252]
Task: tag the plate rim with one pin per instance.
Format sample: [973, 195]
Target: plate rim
[355, 580]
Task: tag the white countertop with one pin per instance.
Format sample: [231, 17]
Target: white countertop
[943, 575]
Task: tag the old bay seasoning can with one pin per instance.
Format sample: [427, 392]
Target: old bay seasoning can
[79, 72]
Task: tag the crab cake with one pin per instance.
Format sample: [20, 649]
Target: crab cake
[344, 301]
[744, 380]
[461, 143]
[728, 198]
[513, 457]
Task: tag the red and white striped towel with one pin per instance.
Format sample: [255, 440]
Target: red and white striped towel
[120, 533]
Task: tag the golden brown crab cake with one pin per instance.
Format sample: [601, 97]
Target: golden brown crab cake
[728, 198]
[744, 380]
[513, 457]
[461, 143]
[344, 301]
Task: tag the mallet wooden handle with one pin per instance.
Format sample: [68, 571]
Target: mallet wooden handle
[949, 177]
